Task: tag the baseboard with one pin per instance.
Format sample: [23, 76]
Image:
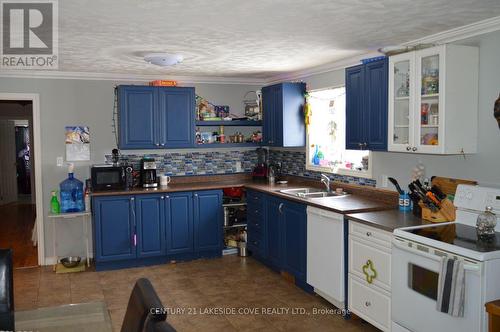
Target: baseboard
[53, 260]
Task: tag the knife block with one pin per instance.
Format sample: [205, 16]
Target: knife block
[446, 213]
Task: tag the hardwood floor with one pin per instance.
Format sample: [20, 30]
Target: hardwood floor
[231, 282]
[16, 226]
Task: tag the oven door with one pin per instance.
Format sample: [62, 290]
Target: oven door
[415, 274]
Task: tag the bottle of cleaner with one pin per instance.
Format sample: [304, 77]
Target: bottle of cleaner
[55, 207]
[71, 193]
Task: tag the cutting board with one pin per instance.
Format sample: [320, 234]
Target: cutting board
[449, 185]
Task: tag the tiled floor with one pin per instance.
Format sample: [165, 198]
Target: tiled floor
[229, 282]
[16, 224]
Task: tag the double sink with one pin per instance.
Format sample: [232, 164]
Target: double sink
[311, 193]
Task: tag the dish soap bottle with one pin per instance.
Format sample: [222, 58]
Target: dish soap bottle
[486, 223]
[71, 193]
[55, 207]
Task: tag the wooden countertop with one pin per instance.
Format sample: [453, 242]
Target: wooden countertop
[387, 220]
[346, 204]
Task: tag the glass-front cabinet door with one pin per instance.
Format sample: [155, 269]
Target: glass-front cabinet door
[401, 99]
[429, 114]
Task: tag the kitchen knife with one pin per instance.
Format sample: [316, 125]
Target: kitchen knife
[396, 184]
[438, 193]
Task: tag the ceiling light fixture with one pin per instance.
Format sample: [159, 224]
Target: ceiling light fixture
[163, 59]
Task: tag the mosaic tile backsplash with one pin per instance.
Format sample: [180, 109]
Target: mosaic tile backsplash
[294, 163]
[225, 162]
[196, 163]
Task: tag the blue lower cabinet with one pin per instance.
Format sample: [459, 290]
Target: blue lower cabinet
[113, 225]
[179, 223]
[150, 225]
[273, 209]
[208, 222]
[294, 239]
[155, 228]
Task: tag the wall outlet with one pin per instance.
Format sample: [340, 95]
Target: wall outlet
[238, 166]
[384, 181]
[60, 161]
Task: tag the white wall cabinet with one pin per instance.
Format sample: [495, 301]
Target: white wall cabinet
[433, 100]
[369, 278]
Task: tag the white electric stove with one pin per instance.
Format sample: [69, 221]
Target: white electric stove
[416, 257]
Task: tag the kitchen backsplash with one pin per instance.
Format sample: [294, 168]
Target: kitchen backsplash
[294, 163]
[225, 162]
[196, 163]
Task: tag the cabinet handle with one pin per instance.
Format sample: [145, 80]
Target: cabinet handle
[369, 271]
[280, 208]
[195, 195]
[167, 196]
[162, 144]
[408, 148]
[162, 197]
[157, 144]
[365, 145]
[132, 198]
[367, 304]
[368, 233]
[414, 149]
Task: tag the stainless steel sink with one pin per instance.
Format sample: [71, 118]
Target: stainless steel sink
[310, 193]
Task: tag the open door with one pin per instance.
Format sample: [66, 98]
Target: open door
[8, 175]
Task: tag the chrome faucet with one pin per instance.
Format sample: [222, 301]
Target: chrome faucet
[326, 181]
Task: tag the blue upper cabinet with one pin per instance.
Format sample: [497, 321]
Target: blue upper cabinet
[177, 117]
[138, 116]
[283, 117]
[179, 223]
[208, 221]
[156, 117]
[150, 225]
[367, 106]
[114, 228]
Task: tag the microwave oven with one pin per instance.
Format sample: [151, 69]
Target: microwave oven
[109, 177]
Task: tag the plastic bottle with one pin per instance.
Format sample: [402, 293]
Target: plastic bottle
[55, 207]
[72, 193]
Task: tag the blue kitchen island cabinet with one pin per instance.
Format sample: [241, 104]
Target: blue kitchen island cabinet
[114, 228]
[283, 116]
[179, 224]
[153, 117]
[208, 222]
[145, 229]
[367, 106]
[150, 225]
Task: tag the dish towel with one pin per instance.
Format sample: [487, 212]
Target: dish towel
[451, 287]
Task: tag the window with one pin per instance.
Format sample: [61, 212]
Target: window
[326, 137]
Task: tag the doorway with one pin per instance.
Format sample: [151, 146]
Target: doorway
[17, 182]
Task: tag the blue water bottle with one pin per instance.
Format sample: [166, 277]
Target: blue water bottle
[71, 194]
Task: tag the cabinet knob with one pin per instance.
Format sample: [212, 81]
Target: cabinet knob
[195, 195]
[162, 144]
[414, 149]
[368, 303]
[162, 197]
[157, 144]
[365, 145]
[167, 196]
[368, 233]
[132, 198]
[408, 148]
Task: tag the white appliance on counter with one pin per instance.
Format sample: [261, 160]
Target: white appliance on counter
[416, 257]
[325, 254]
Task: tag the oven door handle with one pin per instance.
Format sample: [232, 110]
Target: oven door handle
[397, 243]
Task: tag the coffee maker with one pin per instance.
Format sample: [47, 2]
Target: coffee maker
[148, 173]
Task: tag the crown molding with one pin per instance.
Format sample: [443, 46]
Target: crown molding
[332, 66]
[129, 77]
[460, 33]
[448, 36]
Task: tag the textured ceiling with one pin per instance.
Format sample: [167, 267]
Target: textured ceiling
[236, 38]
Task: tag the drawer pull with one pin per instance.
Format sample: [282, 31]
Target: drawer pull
[367, 304]
[369, 271]
[368, 234]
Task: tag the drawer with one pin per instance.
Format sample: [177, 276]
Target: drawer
[372, 234]
[373, 260]
[256, 242]
[253, 218]
[369, 304]
[255, 210]
[254, 196]
[255, 226]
